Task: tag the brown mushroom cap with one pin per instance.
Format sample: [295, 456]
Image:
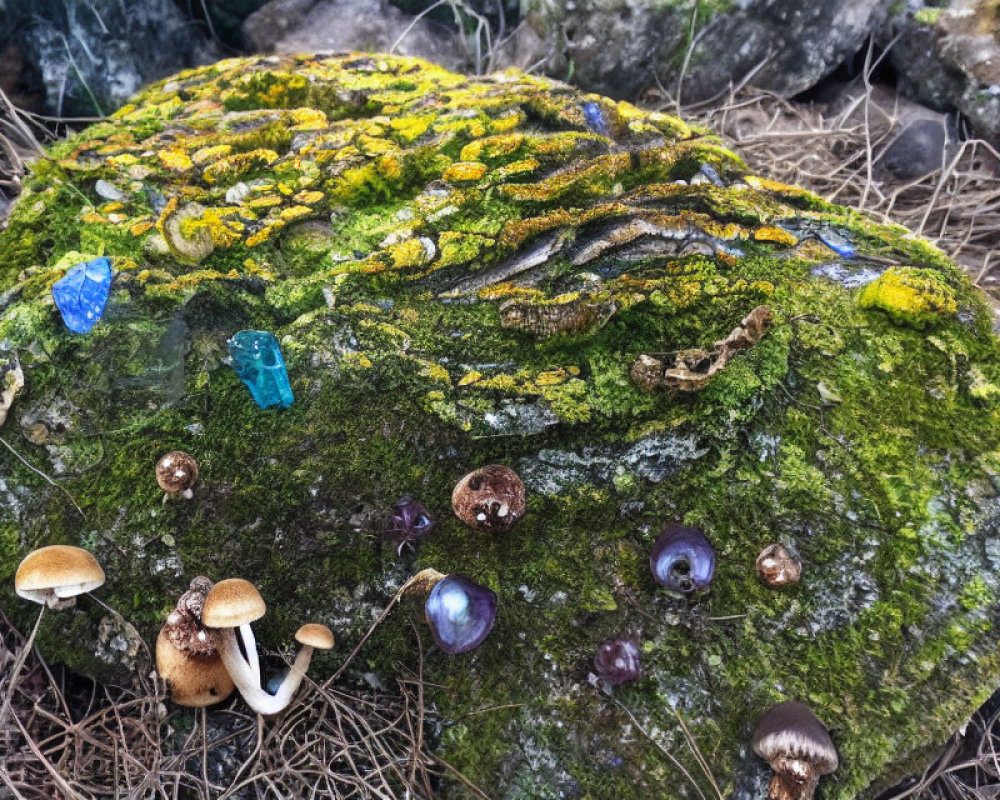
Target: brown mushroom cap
[176, 472]
[194, 681]
[57, 572]
[779, 565]
[315, 635]
[798, 748]
[489, 499]
[231, 603]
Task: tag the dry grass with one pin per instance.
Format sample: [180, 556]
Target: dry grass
[72, 738]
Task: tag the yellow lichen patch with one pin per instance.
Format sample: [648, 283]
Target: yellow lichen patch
[434, 371]
[910, 296]
[408, 254]
[235, 166]
[553, 377]
[309, 198]
[406, 129]
[390, 166]
[521, 167]
[108, 208]
[139, 228]
[507, 291]
[767, 185]
[308, 119]
[92, 217]
[175, 159]
[470, 377]
[492, 148]
[507, 122]
[206, 155]
[464, 171]
[460, 248]
[122, 160]
[594, 176]
[294, 212]
[770, 233]
[374, 146]
[266, 201]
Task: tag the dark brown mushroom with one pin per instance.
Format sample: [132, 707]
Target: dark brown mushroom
[798, 748]
[779, 565]
[489, 499]
[177, 473]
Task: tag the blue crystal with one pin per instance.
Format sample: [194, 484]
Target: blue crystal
[257, 360]
[82, 293]
[594, 118]
[836, 242]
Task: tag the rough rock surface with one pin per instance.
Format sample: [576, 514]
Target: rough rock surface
[622, 47]
[463, 272]
[308, 26]
[92, 56]
[949, 58]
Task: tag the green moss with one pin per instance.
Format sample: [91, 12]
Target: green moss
[383, 265]
[927, 16]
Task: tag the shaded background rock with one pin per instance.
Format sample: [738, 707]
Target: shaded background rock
[301, 26]
[619, 47]
[949, 58]
[89, 57]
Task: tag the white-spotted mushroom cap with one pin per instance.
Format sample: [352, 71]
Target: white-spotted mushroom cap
[231, 603]
[187, 653]
[489, 499]
[315, 635]
[798, 748]
[57, 573]
[177, 473]
[778, 565]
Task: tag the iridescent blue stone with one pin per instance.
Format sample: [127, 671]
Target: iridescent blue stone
[595, 118]
[836, 242]
[82, 293]
[682, 560]
[460, 613]
[257, 360]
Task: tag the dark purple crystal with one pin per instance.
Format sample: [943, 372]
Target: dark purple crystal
[617, 661]
[409, 522]
[682, 559]
[461, 613]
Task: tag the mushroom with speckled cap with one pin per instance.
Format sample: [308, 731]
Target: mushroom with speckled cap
[798, 748]
[52, 576]
[490, 498]
[176, 474]
[187, 653]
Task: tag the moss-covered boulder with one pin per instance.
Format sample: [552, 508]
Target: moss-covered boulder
[462, 272]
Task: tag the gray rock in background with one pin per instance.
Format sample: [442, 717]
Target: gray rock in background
[303, 26]
[949, 58]
[90, 57]
[621, 47]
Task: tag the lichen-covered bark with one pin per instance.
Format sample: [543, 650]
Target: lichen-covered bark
[462, 272]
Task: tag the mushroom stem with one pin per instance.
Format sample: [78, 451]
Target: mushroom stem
[243, 676]
[792, 780]
[250, 645]
[294, 677]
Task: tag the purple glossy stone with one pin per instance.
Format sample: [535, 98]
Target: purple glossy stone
[409, 522]
[682, 560]
[617, 661]
[460, 612]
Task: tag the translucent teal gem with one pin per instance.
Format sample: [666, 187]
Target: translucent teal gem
[82, 293]
[257, 360]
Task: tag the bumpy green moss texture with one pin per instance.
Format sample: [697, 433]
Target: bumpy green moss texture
[465, 271]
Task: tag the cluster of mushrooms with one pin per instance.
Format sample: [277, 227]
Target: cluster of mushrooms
[206, 647]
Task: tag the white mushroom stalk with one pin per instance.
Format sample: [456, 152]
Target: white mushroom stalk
[248, 683]
[250, 647]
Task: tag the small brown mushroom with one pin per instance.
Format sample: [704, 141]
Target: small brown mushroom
[778, 565]
[798, 748]
[489, 499]
[187, 653]
[177, 473]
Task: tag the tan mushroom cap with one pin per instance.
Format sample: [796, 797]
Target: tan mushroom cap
[231, 603]
[315, 635]
[194, 681]
[56, 572]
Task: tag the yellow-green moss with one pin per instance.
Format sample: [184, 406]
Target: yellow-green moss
[910, 296]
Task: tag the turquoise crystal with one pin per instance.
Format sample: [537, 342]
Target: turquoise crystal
[82, 293]
[257, 360]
